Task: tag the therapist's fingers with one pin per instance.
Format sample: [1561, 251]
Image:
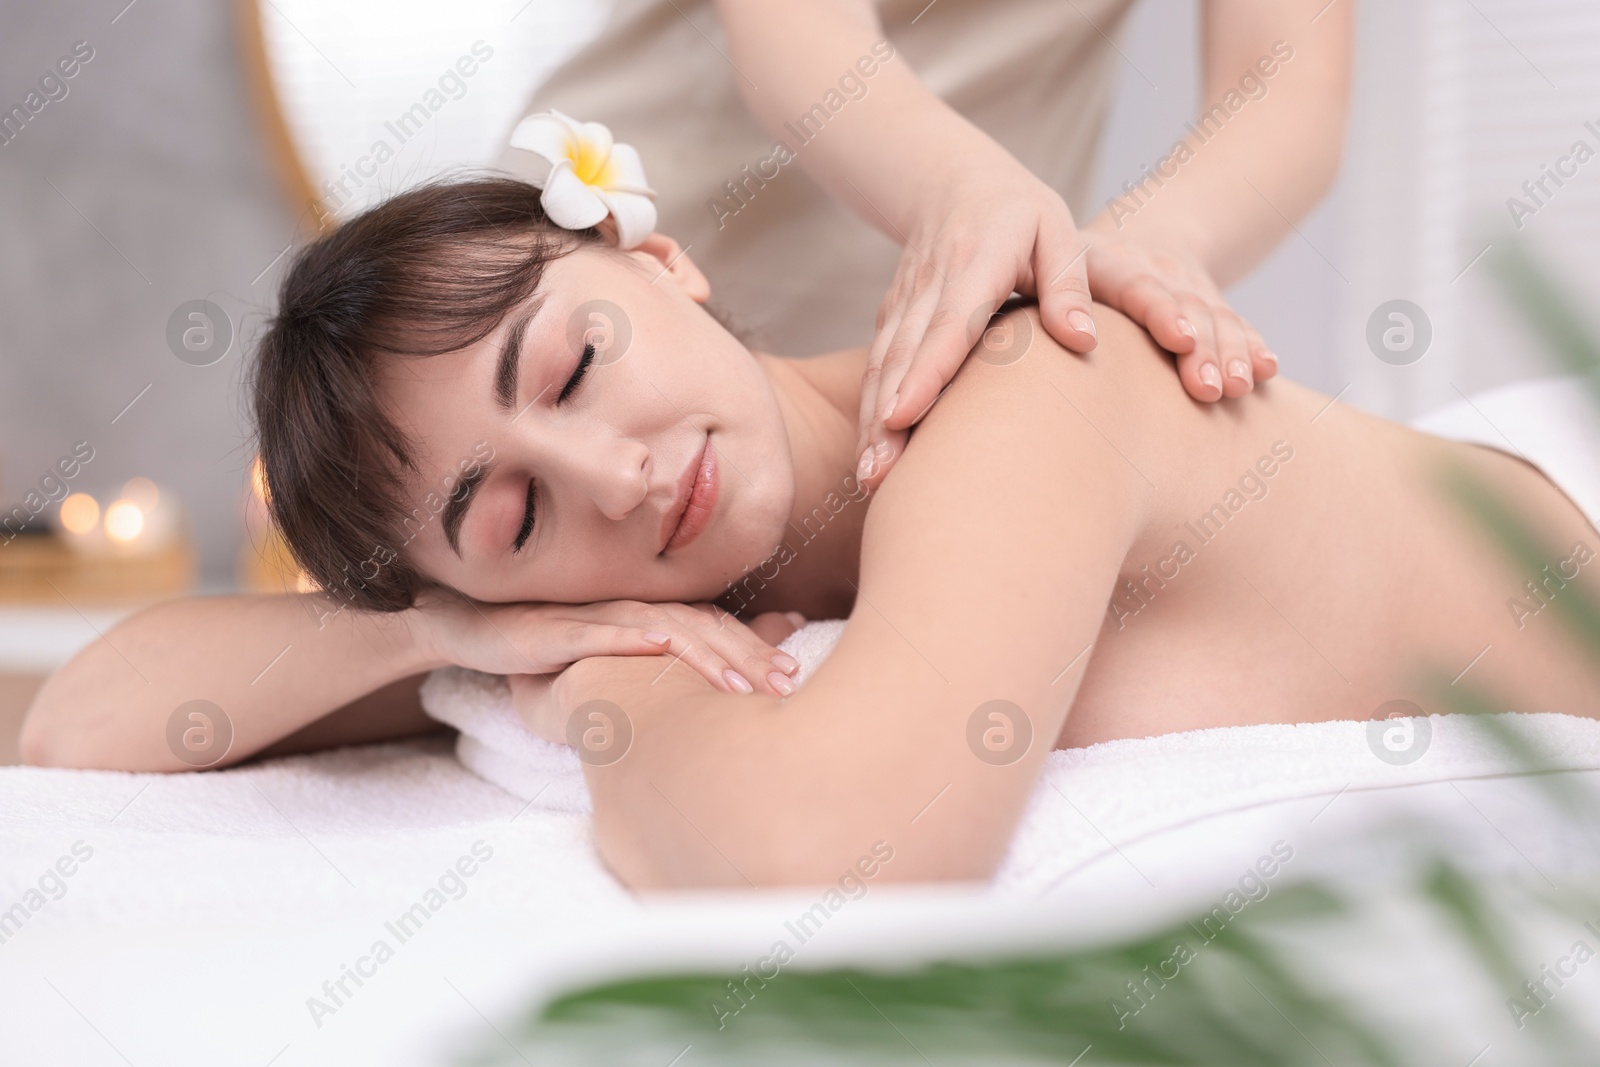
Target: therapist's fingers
[1263, 362]
[955, 326]
[1233, 354]
[1061, 283]
[872, 377]
[892, 350]
[908, 348]
[1198, 370]
[884, 449]
[1151, 304]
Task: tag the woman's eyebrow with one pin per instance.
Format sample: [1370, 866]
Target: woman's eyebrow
[505, 371]
[456, 510]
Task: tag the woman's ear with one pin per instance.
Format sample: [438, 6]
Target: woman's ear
[666, 254]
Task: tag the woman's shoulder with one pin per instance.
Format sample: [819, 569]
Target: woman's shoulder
[1125, 387]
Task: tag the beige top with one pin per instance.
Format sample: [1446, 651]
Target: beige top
[799, 270]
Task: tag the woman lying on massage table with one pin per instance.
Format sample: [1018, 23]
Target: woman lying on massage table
[1069, 550]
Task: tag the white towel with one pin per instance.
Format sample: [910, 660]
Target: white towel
[1553, 423]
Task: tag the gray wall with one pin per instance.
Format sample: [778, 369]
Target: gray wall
[162, 194]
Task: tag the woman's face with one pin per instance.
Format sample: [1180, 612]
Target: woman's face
[611, 460]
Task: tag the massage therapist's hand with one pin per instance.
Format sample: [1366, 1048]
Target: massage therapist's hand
[541, 638]
[545, 702]
[1169, 292]
[936, 309]
[992, 228]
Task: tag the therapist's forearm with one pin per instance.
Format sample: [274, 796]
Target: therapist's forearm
[1246, 183]
[877, 152]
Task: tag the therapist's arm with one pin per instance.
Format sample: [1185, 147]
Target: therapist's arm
[1274, 98]
[1266, 159]
[973, 222]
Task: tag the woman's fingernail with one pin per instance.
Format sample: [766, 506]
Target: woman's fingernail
[780, 683]
[1210, 376]
[1238, 369]
[1081, 322]
[868, 464]
[795, 617]
[889, 408]
[786, 663]
[1270, 356]
[657, 637]
[1186, 327]
[735, 679]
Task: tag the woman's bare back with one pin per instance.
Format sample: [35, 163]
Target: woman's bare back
[1307, 565]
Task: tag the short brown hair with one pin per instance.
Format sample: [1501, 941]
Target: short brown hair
[430, 271]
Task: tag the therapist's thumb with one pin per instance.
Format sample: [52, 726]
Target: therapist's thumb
[1062, 286]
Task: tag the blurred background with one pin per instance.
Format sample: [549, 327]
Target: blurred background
[151, 199]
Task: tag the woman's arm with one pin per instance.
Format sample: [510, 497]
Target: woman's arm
[273, 664]
[295, 672]
[987, 563]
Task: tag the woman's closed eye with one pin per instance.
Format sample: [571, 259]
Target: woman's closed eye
[577, 375]
[567, 390]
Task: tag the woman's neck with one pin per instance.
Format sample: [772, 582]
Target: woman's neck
[816, 568]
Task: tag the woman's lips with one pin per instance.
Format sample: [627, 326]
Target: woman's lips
[701, 503]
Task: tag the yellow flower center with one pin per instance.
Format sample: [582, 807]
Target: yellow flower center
[588, 164]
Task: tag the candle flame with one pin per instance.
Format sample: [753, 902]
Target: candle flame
[124, 521]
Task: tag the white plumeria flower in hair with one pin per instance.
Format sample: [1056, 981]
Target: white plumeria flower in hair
[590, 176]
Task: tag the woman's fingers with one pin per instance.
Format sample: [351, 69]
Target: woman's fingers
[550, 643]
[732, 657]
[710, 641]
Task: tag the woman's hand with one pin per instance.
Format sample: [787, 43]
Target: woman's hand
[1170, 294]
[539, 638]
[546, 702]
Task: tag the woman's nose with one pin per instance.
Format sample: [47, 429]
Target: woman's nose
[611, 470]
